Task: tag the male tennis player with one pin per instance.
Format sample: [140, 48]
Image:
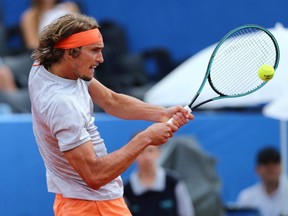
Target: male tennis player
[61, 85]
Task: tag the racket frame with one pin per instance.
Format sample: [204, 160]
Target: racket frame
[207, 74]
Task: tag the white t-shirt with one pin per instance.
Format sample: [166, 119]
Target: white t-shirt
[62, 114]
[269, 205]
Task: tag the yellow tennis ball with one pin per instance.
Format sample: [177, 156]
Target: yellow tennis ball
[266, 72]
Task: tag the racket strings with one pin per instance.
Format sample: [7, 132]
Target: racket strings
[241, 61]
[234, 69]
[239, 72]
[229, 53]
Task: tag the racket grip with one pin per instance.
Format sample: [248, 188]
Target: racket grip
[186, 107]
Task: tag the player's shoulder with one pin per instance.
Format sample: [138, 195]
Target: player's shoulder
[64, 100]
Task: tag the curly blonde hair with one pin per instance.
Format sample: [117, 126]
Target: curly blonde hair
[61, 28]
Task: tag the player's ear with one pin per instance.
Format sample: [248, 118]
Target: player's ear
[73, 52]
[67, 53]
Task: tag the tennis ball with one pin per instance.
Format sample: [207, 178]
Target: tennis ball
[266, 72]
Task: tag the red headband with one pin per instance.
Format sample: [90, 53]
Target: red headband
[80, 39]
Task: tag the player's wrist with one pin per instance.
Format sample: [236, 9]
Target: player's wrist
[161, 115]
[143, 139]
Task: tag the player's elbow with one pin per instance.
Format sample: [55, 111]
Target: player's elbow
[95, 183]
[95, 186]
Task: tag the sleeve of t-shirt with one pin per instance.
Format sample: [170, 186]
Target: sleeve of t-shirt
[67, 123]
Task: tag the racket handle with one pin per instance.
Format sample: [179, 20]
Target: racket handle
[186, 107]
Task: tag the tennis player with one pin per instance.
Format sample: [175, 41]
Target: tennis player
[85, 179]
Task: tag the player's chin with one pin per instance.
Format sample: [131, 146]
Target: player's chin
[86, 78]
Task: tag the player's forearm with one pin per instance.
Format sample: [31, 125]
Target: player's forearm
[127, 107]
[123, 106]
[98, 171]
[107, 168]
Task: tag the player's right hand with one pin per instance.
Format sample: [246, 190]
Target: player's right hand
[159, 133]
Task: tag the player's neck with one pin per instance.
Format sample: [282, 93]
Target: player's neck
[62, 71]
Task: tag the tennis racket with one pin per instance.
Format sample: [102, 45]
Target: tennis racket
[233, 66]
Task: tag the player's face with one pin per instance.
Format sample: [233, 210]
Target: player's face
[90, 57]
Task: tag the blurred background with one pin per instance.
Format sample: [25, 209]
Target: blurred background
[183, 27]
[144, 42]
